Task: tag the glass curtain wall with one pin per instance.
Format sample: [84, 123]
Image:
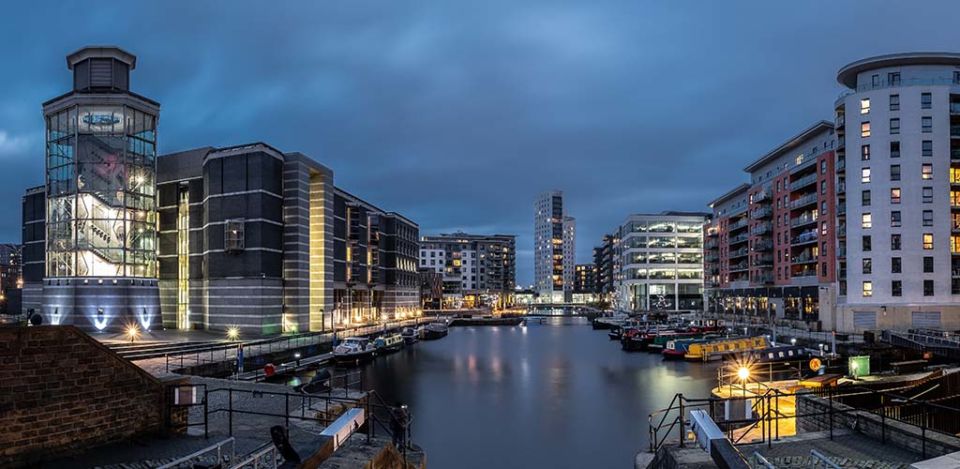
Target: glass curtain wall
[101, 213]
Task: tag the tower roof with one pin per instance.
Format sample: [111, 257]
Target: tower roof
[113, 52]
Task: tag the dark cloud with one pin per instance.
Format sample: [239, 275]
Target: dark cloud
[458, 113]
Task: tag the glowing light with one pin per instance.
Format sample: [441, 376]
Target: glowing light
[133, 332]
[793, 341]
[743, 373]
[233, 333]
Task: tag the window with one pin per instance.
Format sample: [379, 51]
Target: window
[926, 171]
[893, 78]
[928, 241]
[867, 266]
[233, 231]
[867, 288]
[896, 288]
[823, 187]
[894, 102]
[865, 198]
[894, 149]
[926, 124]
[896, 265]
[895, 218]
[956, 77]
[928, 288]
[823, 167]
[866, 220]
[864, 152]
[895, 195]
[894, 126]
[895, 242]
[865, 129]
[875, 80]
[927, 148]
[865, 175]
[867, 244]
[928, 195]
[928, 264]
[894, 172]
[865, 106]
[928, 218]
[926, 100]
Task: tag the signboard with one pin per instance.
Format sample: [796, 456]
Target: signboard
[815, 364]
[858, 366]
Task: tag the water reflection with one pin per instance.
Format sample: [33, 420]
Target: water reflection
[557, 394]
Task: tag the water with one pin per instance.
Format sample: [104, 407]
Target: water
[558, 395]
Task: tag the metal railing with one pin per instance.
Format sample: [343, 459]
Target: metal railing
[218, 448]
[265, 456]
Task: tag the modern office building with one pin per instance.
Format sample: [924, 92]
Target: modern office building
[11, 278]
[98, 204]
[211, 238]
[771, 246]
[478, 270]
[898, 131]
[554, 248]
[661, 259]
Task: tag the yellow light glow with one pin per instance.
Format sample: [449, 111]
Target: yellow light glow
[133, 332]
[233, 333]
[743, 373]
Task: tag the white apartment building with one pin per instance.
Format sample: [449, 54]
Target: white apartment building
[898, 179]
[554, 248]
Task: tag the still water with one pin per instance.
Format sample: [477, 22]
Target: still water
[557, 395]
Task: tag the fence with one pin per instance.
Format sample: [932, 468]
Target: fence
[884, 412]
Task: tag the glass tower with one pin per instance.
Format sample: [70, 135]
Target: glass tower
[101, 215]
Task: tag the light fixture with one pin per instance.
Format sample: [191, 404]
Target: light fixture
[233, 333]
[743, 373]
[133, 331]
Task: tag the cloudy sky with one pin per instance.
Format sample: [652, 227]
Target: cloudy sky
[457, 113]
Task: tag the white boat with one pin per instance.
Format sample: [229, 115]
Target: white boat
[354, 350]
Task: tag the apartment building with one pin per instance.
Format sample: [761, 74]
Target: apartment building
[771, 247]
[898, 131]
[554, 248]
[608, 266]
[477, 270]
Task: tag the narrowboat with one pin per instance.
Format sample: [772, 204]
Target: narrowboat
[435, 330]
[411, 335]
[388, 344]
[715, 350]
[782, 353]
[353, 350]
[677, 348]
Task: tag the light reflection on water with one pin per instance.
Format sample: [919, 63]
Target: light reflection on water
[549, 395]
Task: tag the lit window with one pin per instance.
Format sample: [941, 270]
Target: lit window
[895, 219]
[895, 195]
[867, 288]
[865, 106]
[233, 231]
[865, 129]
[928, 241]
[926, 171]
[864, 152]
[865, 175]
[866, 220]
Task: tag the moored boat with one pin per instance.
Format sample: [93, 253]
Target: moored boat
[715, 350]
[782, 353]
[354, 350]
[411, 335]
[435, 330]
[389, 343]
[677, 348]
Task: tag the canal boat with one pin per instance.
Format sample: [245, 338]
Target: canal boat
[435, 330]
[782, 353]
[716, 349]
[607, 322]
[411, 335]
[388, 343]
[656, 338]
[676, 349]
[354, 350]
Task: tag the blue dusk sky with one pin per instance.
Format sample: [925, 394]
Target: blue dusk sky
[457, 113]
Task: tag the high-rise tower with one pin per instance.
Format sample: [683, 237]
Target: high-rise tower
[554, 241]
[101, 214]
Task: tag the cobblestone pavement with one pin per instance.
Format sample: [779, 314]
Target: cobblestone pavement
[847, 449]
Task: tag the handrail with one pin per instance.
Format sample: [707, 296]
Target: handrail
[202, 451]
[762, 461]
[826, 461]
[267, 450]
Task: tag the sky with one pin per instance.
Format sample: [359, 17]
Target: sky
[458, 113]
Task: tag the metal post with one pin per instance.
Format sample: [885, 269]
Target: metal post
[883, 420]
[286, 414]
[830, 397]
[681, 419]
[206, 412]
[230, 410]
[923, 433]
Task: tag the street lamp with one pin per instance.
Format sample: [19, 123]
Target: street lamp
[233, 333]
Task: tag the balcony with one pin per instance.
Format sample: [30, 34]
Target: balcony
[805, 219]
[841, 253]
[841, 188]
[955, 154]
[712, 257]
[738, 267]
[764, 278]
[842, 209]
[739, 253]
[740, 238]
[763, 245]
[764, 194]
[710, 244]
[761, 213]
[760, 229]
[803, 182]
[737, 225]
[842, 230]
[805, 238]
[841, 165]
[806, 257]
[954, 108]
[804, 274]
[955, 131]
[808, 199]
[761, 261]
[840, 121]
[841, 143]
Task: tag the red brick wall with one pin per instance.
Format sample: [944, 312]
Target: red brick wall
[62, 391]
